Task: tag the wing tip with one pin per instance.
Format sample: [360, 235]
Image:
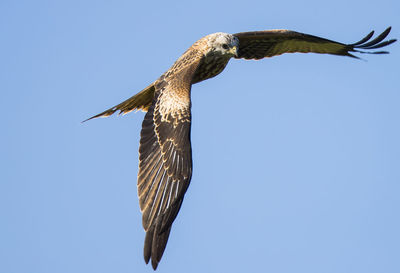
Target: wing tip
[366, 43]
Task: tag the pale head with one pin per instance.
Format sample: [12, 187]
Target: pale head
[223, 43]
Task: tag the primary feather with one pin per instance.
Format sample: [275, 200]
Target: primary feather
[165, 154]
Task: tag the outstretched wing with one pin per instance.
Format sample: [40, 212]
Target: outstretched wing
[165, 166]
[269, 43]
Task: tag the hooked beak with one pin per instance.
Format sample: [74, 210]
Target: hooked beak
[234, 51]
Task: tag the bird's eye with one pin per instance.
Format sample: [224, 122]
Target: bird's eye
[225, 46]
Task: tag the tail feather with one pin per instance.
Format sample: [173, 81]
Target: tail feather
[140, 101]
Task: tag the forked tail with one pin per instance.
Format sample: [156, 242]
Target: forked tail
[140, 101]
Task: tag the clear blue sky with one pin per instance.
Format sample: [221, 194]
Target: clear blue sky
[296, 158]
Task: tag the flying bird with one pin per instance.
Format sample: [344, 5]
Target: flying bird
[165, 154]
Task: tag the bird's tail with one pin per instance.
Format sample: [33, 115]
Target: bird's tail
[140, 101]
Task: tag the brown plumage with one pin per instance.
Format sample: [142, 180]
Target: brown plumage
[165, 157]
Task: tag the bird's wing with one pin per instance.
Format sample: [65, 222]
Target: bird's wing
[165, 166]
[268, 43]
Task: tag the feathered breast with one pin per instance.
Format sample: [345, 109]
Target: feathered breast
[210, 66]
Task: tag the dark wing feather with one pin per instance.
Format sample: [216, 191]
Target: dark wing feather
[261, 44]
[165, 166]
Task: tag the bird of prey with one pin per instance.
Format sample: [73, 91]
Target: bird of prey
[165, 153]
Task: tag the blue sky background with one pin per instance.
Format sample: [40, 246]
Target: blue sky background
[296, 158]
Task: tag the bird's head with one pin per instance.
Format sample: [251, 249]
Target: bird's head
[223, 43]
